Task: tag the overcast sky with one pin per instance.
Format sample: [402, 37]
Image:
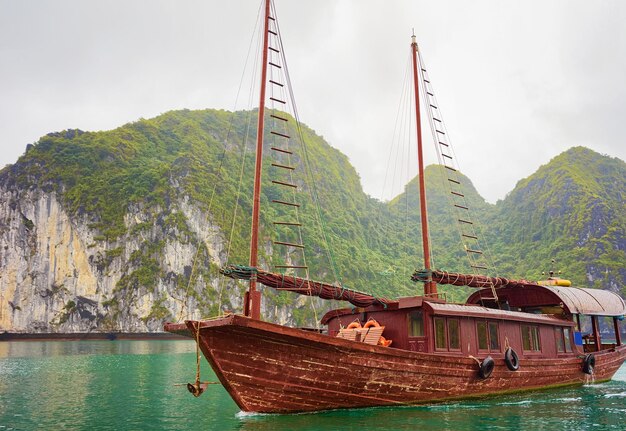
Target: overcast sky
[518, 82]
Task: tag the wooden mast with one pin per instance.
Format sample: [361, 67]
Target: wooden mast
[252, 299]
[430, 288]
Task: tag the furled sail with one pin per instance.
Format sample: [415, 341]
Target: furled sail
[303, 286]
[471, 280]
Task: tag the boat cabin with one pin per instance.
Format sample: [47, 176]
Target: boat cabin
[571, 303]
[536, 322]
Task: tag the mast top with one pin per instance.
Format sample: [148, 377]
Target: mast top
[413, 39]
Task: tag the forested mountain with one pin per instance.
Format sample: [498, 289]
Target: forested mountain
[573, 210]
[124, 229]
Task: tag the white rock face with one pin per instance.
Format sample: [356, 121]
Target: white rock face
[58, 275]
[44, 261]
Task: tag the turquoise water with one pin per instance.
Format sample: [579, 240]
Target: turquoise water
[131, 385]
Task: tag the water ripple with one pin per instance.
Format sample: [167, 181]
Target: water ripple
[131, 385]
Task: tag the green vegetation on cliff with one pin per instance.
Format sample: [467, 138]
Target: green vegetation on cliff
[571, 210]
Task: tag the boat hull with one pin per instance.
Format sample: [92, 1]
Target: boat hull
[269, 368]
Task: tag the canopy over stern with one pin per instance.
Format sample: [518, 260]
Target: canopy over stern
[573, 300]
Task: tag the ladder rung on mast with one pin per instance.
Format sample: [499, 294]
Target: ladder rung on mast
[285, 203]
[280, 134]
[284, 184]
[280, 150]
[291, 168]
[289, 244]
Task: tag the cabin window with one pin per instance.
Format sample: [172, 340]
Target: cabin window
[488, 338]
[454, 334]
[494, 341]
[568, 339]
[560, 344]
[530, 338]
[483, 338]
[447, 333]
[440, 333]
[563, 340]
[416, 324]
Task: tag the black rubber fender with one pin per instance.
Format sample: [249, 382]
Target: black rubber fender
[511, 359]
[589, 363]
[486, 367]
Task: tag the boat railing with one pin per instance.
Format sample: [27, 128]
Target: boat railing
[590, 346]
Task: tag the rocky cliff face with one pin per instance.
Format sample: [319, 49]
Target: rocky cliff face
[58, 275]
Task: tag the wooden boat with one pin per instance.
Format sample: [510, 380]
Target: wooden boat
[510, 335]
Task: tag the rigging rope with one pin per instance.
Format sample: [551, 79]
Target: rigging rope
[400, 147]
[255, 32]
[239, 186]
[486, 255]
[276, 58]
[234, 219]
[219, 173]
[477, 257]
[312, 189]
[198, 387]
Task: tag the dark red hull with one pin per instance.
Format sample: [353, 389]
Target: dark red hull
[270, 368]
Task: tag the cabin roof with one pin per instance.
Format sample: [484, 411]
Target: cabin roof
[574, 300]
[402, 302]
[590, 301]
[474, 311]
